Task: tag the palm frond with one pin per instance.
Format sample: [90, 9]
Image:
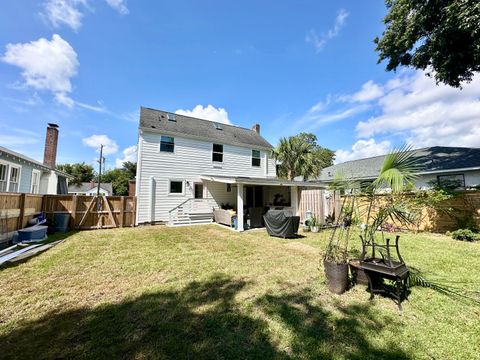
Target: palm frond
[399, 169]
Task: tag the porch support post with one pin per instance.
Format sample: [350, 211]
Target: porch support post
[294, 199]
[240, 207]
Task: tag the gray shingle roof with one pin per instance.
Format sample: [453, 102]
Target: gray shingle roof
[156, 120]
[86, 186]
[23, 157]
[436, 159]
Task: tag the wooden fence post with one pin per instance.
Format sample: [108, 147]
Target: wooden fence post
[22, 211]
[122, 211]
[73, 213]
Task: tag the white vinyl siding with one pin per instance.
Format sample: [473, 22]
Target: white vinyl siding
[191, 159]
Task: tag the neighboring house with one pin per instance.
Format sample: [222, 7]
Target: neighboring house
[19, 173]
[187, 167]
[90, 188]
[436, 163]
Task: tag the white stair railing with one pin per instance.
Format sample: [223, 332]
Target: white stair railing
[191, 211]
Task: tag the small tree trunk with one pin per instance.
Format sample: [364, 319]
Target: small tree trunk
[290, 174]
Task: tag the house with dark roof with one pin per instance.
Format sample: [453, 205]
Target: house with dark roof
[437, 163]
[20, 173]
[90, 188]
[190, 168]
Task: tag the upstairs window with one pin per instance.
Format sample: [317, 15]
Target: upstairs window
[256, 158]
[167, 144]
[217, 153]
[172, 117]
[14, 179]
[3, 177]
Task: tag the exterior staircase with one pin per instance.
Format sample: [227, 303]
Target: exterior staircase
[190, 212]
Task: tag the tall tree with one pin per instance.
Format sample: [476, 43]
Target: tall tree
[120, 177]
[439, 36]
[300, 155]
[81, 172]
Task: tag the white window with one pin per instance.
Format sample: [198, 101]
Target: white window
[35, 182]
[256, 158]
[217, 153]
[14, 179]
[167, 144]
[3, 177]
[176, 187]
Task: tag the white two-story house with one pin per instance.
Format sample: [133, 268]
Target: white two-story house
[187, 167]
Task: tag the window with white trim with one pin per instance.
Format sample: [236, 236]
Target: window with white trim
[217, 153]
[35, 182]
[256, 161]
[13, 184]
[3, 177]
[167, 144]
[176, 187]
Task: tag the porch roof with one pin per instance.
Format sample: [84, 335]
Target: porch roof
[260, 181]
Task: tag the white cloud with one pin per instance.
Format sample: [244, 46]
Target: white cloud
[46, 65]
[71, 12]
[208, 112]
[64, 99]
[369, 91]
[363, 149]
[427, 114]
[319, 41]
[119, 5]
[129, 154]
[64, 12]
[94, 141]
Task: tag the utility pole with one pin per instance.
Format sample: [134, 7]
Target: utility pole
[100, 161]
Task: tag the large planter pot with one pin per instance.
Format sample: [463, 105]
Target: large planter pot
[315, 229]
[337, 276]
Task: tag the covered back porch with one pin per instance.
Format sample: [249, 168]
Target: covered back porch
[242, 201]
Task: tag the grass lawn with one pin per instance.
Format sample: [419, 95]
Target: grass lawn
[206, 292]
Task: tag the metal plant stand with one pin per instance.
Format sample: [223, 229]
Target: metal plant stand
[384, 267]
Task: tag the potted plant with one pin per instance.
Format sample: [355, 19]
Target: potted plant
[314, 225]
[335, 263]
[306, 225]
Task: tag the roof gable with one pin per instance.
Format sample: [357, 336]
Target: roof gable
[156, 120]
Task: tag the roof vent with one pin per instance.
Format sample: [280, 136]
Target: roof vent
[171, 117]
[218, 126]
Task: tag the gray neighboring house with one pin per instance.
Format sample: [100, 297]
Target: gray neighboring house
[90, 188]
[22, 174]
[437, 163]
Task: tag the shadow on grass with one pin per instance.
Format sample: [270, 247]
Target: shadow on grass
[201, 321]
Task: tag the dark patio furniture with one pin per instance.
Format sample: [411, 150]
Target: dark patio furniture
[381, 265]
[281, 223]
[256, 216]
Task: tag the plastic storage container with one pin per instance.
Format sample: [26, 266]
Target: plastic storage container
[61, 222]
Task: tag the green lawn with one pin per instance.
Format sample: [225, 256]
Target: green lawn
[207, 292]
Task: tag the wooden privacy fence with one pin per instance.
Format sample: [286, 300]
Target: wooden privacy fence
[320, 202]
[85, 212]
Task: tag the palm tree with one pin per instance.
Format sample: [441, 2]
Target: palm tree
[297, 157]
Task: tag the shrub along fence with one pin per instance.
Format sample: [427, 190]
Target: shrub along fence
[86, 212]
[461, 211]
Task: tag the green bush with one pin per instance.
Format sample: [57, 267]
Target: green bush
[465, 235]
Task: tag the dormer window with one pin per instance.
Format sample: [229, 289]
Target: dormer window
[217, 126]
[172, 117]
[217, 153]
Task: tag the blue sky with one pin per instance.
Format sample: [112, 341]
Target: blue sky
[291, 66]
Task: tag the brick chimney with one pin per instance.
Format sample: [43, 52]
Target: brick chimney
[256, 128]
[50, 155]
